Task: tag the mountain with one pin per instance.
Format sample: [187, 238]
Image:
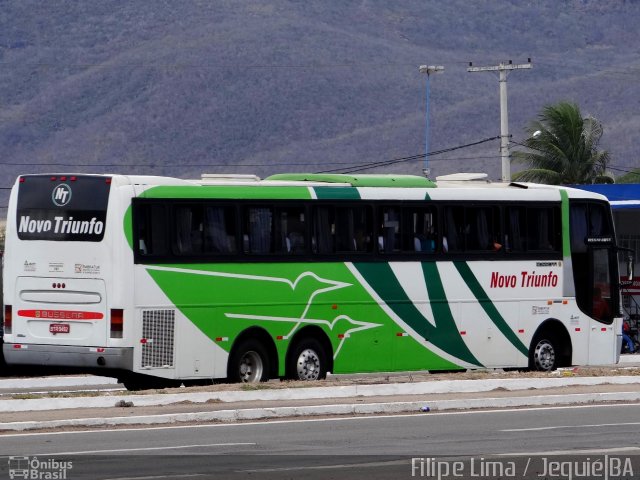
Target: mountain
[180, 88]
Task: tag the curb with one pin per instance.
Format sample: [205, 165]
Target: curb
[228, 416]
[308, 393]
[61, 381]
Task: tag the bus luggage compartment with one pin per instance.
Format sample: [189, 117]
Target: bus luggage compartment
[64, 311]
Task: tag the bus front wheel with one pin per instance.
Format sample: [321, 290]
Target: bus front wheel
[544, 354]
[249, 363]
[308, 361]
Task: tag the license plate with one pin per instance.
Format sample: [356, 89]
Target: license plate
[59, 328]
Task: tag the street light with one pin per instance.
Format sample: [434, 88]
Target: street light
[428, 70]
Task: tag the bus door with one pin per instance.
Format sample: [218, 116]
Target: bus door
[594, 267]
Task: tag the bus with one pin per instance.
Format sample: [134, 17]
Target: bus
[161, 280]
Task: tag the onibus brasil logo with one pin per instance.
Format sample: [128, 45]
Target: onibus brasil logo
[34, 468]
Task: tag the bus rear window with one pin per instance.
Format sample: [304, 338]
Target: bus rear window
[62, 208]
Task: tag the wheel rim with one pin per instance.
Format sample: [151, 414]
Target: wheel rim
[308, 365]
[251, 367]
[544, 356]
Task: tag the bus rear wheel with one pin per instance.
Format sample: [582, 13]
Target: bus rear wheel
[544, 355]
[308, 361]
[248, 363]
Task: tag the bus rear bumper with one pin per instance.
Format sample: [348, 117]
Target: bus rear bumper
[68, 356]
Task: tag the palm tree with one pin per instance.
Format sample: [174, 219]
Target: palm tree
[563, 148]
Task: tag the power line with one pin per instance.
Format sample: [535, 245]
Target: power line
[212, 65]
[298, 164]
[350, 169]
[367, 166]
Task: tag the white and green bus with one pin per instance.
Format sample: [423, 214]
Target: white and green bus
[162, 279]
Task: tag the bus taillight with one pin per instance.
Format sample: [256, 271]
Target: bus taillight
[7, 319]
[117, 321]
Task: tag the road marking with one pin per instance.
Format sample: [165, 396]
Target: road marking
[557, 427]
[330, 467]
[154, 477]
[144, 449]
[595, 451]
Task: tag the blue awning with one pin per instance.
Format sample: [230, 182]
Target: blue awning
[621, 196]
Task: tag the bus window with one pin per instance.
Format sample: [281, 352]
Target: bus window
[598, 224]
[219, 229]
[579, 228]
[472, 229]
[602, 298]
[532, 229]
[592, 264]
[482, 229]
[258, 227]
[516, 229]
[292, 229]
[541, 229]
[354, 229]
[151, 220]
[389, 241]
[419, 230]
[189, 230]
[454, 230]
[323, 230]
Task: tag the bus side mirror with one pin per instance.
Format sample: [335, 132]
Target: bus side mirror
[630, 266]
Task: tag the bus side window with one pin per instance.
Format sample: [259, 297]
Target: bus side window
[515, 239]
[390, 229]
[541, 229]
[323, 230]
[353, 229]
[189, 230]
[258, 226]
[454, 231]
[419, 232]
[363, 229]
[220, 230]
[480, 225]
[291, 229]
[151, 229]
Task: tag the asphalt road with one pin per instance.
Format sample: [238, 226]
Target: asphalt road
[348, 448]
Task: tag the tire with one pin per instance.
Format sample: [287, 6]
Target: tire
[248, 363]
[544, 355]
[307, 361]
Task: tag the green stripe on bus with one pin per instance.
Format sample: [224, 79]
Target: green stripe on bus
[128, 227]
[488, 306]
[366, 180]
[337, 193]
[234, 192]
[445, 334]
[566, 241]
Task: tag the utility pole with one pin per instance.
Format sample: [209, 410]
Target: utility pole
[503, 68]
[428, 70]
